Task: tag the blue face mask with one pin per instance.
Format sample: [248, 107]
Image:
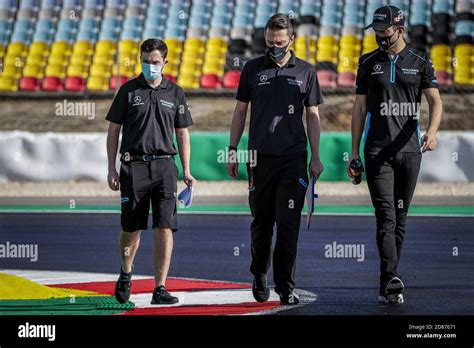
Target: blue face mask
[151, 72]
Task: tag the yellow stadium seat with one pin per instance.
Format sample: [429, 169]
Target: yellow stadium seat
[101, 70]
[174, 45]
[8, 84]
[128, 47]
[57, 59]
[77, 70]
[2, 50]
[17, 49]
[188, 82]
[125, 70]
[105, 47]
[194, 42]
[349, 40]
[11, 70]
[33, 71]
[83, 47]
[463, 50]
[15, 60]
[214, 60]
[80, 59]
[61, 47]
[192, 58]
[440, 50]
[39, 48]
[190, 69]
[97, 83]
[463, 76]
[103, 59]
[53, 70]
[138, 69]
[327, 40]
[36, 59]
[213, 68]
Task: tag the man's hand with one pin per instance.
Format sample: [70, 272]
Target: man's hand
[348, 165]
[232, 164]
[113, 179]
[315, 167]
[429, 142]
[189, 179]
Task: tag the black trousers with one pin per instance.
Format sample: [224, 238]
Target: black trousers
[392, 180]
[276, 195]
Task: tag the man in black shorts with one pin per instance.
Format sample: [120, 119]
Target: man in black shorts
[149, 107]
[279, 87]
[390, 83]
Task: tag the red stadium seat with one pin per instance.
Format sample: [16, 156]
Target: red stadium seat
[327, 78]
[231, 79]
[75, 83]
[51, 83]
[114, 84]
[29, 84]
[210, 81]
[444, 78]
[346, 80]
[170, 78]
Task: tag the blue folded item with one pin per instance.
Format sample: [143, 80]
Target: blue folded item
[185, 197]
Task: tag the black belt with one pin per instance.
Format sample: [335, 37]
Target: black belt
[143, 158]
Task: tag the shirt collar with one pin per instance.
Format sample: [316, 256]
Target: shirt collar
[142, 81]
[291, 62]
[405, 50]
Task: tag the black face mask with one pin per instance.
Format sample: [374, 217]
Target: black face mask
[386, 42]
[277, 53]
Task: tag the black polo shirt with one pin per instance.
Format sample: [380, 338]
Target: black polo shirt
[278, 96]
[394, 89]
[149, 116]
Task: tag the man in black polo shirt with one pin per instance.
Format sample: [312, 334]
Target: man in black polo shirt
[149, 108]
[390, 82]
[279, 87]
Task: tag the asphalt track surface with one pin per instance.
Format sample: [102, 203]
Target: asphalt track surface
[437, 282]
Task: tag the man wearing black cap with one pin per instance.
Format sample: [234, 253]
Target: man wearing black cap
[390, 82]
[279, 88]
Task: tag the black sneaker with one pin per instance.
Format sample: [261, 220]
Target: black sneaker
[123, 286]
[288, 297]
[392, 292]
[260, 289]
[161, 296]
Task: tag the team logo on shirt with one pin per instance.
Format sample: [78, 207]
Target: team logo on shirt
[410, 71]
[263, 80]
[166, 103]
[137, 100]
[377, 69]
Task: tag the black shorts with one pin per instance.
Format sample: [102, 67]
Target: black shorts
[142, 182]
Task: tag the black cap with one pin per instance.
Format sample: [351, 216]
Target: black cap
[385, 17]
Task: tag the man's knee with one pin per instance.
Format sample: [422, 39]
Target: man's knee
[130, 236]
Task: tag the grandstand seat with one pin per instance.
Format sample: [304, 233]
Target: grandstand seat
[74, 83]
[98, 83]
[29, 83]
[210, 81]
[117, 81]
[8, 83]
[346, 79]
[231, 79]
[327, 79]
[51, 83]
